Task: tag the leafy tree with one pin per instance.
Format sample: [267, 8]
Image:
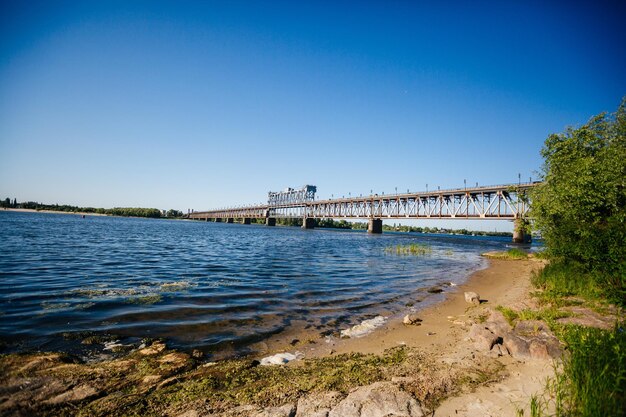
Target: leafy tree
[174, 213]
[580, 208]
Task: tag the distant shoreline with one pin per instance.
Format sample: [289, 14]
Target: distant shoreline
[85, 213]
[388, 230]
[78, 213]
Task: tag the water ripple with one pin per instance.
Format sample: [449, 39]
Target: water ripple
[203, 285]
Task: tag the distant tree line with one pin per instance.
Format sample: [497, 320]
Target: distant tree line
[116, 211]
[343, 224]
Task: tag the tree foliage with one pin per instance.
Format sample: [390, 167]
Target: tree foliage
[580, 208]
[117, 211]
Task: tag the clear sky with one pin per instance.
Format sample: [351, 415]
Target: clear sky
[200, 105]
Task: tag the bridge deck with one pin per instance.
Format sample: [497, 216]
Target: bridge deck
[505, 202]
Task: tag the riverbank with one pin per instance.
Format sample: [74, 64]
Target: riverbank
[77, 213]
[435, 364]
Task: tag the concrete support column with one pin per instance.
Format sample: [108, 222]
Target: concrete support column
[308, 223]
[375, 226]
[245, 220]
[230, 220]
[270, 221]
[521, 232]
[218, 220]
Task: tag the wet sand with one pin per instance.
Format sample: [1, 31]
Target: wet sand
[503, 282]
[442, 336]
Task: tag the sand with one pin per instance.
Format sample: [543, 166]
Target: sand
[442, 335]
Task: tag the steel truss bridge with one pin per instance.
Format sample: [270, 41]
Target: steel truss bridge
[499, 202]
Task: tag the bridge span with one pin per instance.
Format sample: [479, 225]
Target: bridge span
[499, 202]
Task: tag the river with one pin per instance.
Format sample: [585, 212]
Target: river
[214, 287]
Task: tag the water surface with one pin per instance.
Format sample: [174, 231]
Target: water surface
[210, 286]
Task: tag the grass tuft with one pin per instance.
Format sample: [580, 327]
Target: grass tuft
[550, 315]
[559, 280]
[415, 249]
[511, 254]
[592, 381]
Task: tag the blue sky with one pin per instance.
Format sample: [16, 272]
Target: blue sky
[208, 104]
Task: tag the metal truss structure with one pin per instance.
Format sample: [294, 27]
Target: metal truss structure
[291, 196]
[505, 202]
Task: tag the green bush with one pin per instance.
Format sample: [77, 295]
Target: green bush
[580, 208]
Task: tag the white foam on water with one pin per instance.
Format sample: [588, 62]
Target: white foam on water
[113, 345]
[280, 358]
[366, 327]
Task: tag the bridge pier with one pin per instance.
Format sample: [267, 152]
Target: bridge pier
[521, 231]
[230, 220]
[245, 220]
[217, 220]
[308, 223]
[270, 221]
[375, 226]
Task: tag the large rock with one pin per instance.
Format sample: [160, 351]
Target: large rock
[472, 297]
[497, 323]
[483, 338]
[517, 346]
[378, 400]
[318, 405]
[542, 342]
[76, 394]
[412, 319]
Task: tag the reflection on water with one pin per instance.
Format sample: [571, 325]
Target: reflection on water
[212, 286]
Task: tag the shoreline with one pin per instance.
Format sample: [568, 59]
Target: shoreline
[433, 361]
[441, 319]
[78, 213]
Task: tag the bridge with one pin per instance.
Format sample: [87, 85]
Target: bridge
[499, 202]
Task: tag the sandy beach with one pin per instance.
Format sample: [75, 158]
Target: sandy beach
[442, 336]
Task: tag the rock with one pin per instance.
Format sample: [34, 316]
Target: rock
[483, 338]
[532, 328]
[497, 351]
[153, 349]
[174, 361]
[318, 404]
[280, 358]
[287, 410]
[403, 380]
[377, 400]
[497, 323]
[412, 319]
[472, 297]
[542, 342]
[435, 290]
[197, 354]
[75, 394]
[517, 346]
